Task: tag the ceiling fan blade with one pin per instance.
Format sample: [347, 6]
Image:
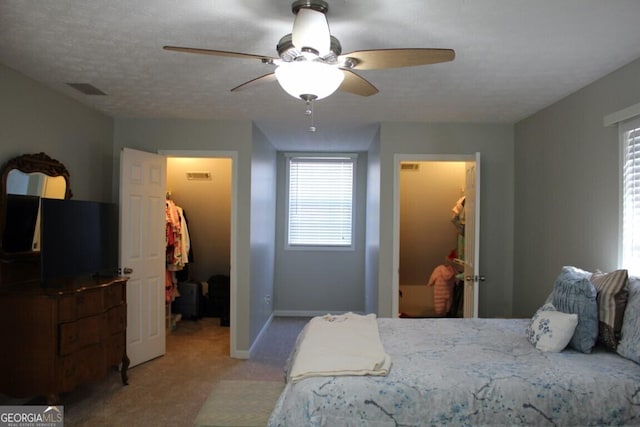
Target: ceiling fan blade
[263, 58]
[357, 85]
[271, 77]
[395, 58]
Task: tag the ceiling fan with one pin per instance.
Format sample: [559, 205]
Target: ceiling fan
[310, 63]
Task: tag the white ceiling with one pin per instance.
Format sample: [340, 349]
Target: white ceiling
[513, 57]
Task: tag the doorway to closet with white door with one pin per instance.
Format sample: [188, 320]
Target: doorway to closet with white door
[432, 219]
[198, 212]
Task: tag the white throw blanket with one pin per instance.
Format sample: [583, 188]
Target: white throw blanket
[347, 344]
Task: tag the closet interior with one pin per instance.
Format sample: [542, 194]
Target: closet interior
[198, 239]
[432, 220]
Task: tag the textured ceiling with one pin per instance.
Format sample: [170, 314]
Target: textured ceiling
[513, 57]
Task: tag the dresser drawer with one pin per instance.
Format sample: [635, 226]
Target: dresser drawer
[87, 364]
[66, 373]
[80, 334]
[114, 295]
[117, 319]
[68, 338]
[90, 363]
[67, 308]
[90, 302]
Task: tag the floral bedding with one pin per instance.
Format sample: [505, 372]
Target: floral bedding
[469, 372]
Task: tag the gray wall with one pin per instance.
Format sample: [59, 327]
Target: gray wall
[495, 143]
[154, 135]
[317, 281]
[567, 182]
[562, 192]
[263, 230]
[372, 241]
[34, 118]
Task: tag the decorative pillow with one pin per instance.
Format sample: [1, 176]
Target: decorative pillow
[629, 345]
[573, 293]
[551, 330]
[612, 300]
[576, 270]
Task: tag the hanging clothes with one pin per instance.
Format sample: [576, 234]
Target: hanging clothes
[183, 275]
[185, 240]
[178, 245]
[458, 220]
[170, 286]
[177, 237]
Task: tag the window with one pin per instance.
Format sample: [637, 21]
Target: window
[320, 200]
[630, 139]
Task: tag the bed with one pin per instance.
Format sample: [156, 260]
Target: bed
[475, 372]
[576, 362]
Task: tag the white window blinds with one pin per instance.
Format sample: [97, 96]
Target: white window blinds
[320, 200]
[630, 137]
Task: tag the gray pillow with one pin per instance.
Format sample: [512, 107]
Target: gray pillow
[629, 345]
[612, 300]
[574, 293]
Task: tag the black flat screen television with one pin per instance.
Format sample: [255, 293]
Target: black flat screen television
[78, 238]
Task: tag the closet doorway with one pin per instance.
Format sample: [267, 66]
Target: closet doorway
[142, 247]
[435, 238]
[201, 184]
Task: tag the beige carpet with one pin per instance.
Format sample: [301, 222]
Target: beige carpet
[169, 391]
[239, 404]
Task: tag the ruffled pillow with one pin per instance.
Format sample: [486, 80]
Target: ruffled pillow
[551, 330]
[573, 293]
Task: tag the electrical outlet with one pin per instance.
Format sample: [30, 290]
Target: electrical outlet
[267, 299]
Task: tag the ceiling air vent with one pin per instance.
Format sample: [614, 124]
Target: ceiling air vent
[86, 88]
[199, 176]
[409, 166]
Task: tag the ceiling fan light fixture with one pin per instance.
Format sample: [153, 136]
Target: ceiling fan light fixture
[311, 32]
[310, 64]
[309, 79]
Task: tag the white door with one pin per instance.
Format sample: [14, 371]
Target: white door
[142, 251]
[472, 276]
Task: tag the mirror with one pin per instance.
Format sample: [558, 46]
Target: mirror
[25, 180]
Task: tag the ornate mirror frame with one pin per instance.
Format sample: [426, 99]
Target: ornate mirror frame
[28, 163]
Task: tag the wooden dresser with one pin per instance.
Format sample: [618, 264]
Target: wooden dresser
[59, 336]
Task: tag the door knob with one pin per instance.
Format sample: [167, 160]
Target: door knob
[127, 270]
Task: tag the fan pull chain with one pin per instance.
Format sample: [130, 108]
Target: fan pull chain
[309, 112]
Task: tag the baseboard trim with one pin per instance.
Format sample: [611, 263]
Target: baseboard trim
[262, 331]
[240, 354]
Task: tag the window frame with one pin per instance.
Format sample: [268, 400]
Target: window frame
[320, 247]
[624, 127]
